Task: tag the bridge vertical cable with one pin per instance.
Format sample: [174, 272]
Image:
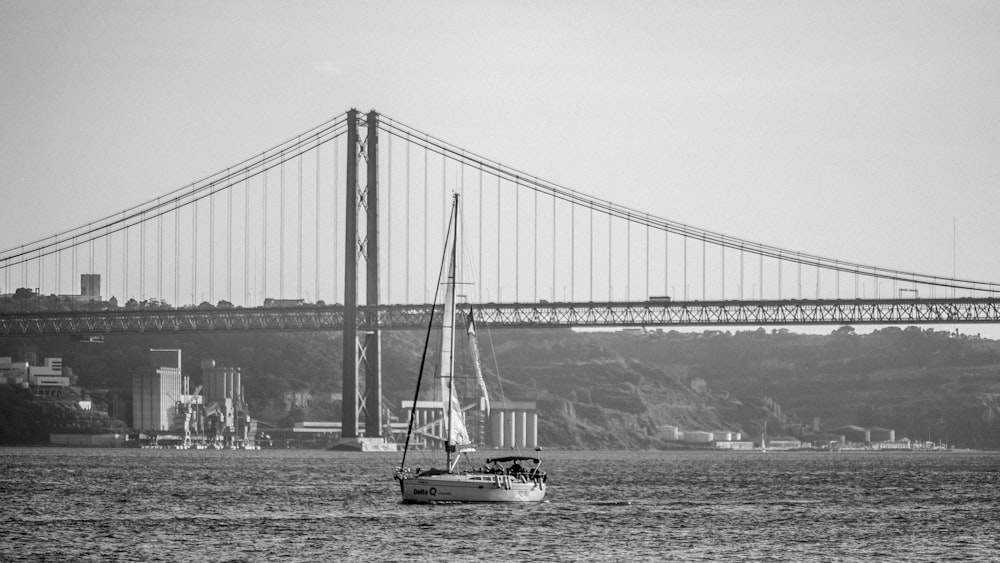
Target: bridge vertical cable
[45, 258]
[780, 258]
[300, 226]
[134, 253]
[318, 238]
[211, 247]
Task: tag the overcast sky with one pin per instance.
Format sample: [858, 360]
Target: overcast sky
[863, 131]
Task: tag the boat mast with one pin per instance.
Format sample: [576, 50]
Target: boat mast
[423, 359]
[448, 335]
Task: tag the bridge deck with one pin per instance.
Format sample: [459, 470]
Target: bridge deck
[512, 315]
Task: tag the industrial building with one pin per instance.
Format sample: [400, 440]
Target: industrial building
[173, 415]
[734, 445]
[670, 432]
[220, 383]
[698, 437]
[513, 425]
[154, 391]
[859, 435]
[510, 424]
[229, 424]
[784, 444]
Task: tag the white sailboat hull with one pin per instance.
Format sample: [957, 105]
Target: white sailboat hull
[471, 487]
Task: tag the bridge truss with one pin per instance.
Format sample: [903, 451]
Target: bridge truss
[513, 315]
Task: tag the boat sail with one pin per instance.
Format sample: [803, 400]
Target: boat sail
[474, 351]
[763, 437]
[502, 479]
[458, 433]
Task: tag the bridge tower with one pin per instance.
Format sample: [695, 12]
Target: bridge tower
[362, 351]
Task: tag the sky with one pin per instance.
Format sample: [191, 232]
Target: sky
[866, 131]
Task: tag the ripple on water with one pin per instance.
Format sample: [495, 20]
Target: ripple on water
[66, 504]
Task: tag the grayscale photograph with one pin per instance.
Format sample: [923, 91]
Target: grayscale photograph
[499, 281]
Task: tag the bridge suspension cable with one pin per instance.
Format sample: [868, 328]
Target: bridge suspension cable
[177, 199]
[265, 227]
[186, 197]
[633, 216]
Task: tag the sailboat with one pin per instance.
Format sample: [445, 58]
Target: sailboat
[763, 438]
[502, 479]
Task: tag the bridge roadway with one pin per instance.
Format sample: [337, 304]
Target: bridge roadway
[512, 315]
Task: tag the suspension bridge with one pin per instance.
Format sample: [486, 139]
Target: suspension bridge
[340, 228]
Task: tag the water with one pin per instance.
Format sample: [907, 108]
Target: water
[156, 505]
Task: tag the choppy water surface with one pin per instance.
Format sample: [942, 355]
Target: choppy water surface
[149, 505]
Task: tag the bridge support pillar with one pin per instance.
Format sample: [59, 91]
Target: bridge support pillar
[361, 350]
[373, 345]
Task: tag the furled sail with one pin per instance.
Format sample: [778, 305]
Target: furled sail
[474, 349]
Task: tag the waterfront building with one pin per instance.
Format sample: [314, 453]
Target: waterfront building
[903, 444]
[229, 420]
[881, 434]
[670, 432]
[510, 424]
[852, 434]
[698, 437]
[856, 435]
[784, 444]
[222, 386]
[220, 382]
[734, 445]
[513, 424]
[154, 391]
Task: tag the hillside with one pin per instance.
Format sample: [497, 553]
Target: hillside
[925, 384]
[615, 390]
